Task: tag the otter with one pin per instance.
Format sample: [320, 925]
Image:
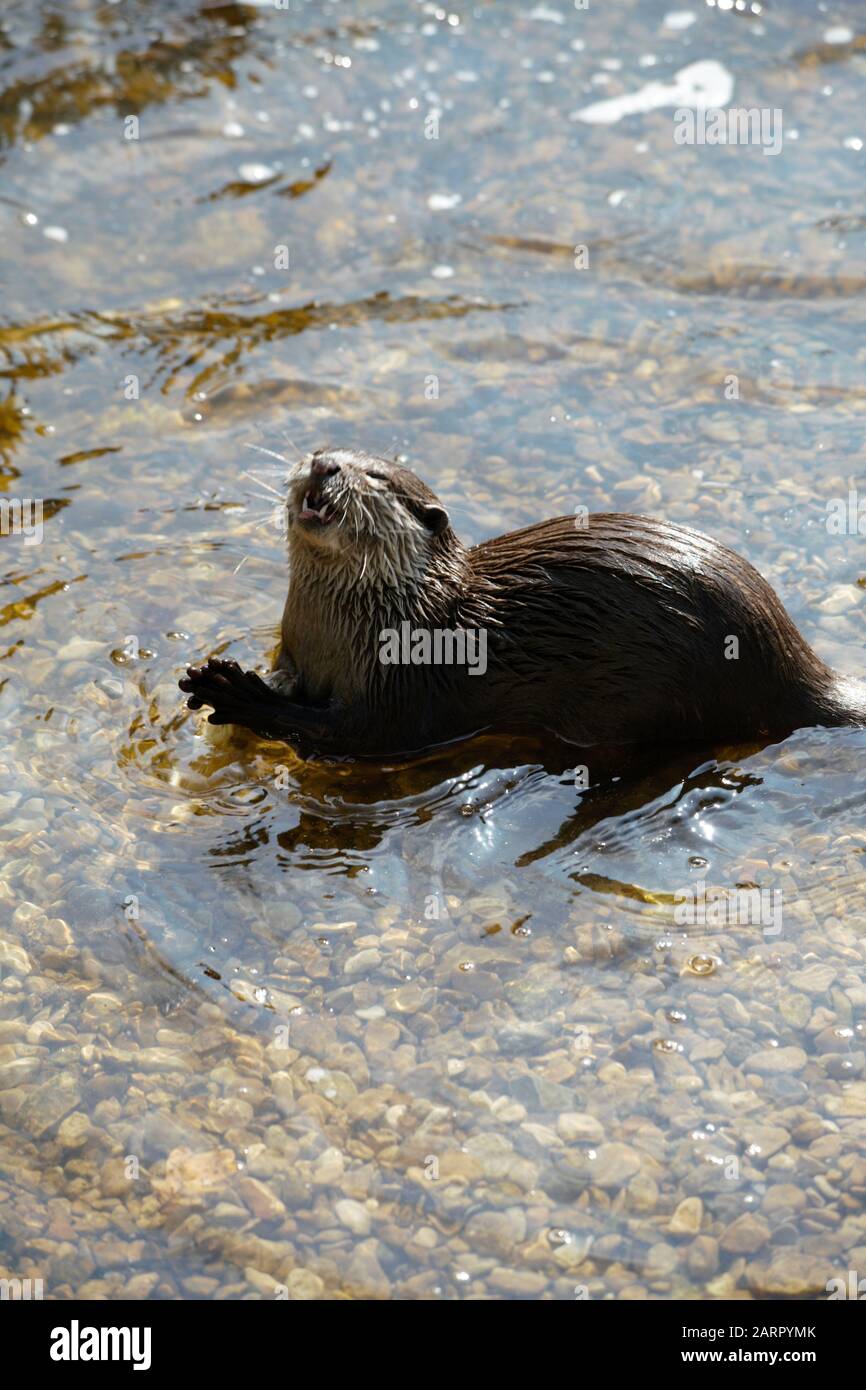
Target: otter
[617, 631]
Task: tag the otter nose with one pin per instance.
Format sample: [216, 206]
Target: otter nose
[324, 467]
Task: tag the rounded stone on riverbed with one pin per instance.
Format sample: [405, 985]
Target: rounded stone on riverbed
[366, 959]
[745, 1235]
[791, 1274]
[773, 1060]
[702, 1258]
[783, 1197]
[614, 1164]
[496, 1232]
[14, 959]
[576, 1127]
[46, 1105]
[304, 1285]
[74, 1131]
[686, 1220]
[354, 1215]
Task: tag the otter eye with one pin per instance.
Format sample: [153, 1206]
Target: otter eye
[380, 477]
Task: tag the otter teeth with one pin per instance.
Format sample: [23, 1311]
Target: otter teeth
[320, 512]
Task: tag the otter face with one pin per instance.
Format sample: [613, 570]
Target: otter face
[351, 503]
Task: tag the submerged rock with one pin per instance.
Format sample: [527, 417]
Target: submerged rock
[46, 1106]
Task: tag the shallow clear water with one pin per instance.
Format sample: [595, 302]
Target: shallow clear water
[437, 1030]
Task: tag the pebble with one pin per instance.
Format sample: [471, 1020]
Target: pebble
[764, 1140]
[19, 1071]
[304, 1286]
[643, 1192]
[261, 1200]
[329, 1168]
[189, 1175]
[114, 1178]
[47, 1104]
[783, 1196]
[745, 1235]
[702, 1257]
[686, 1220]
[791, 1274]
[365, 1277]
[518, 1283]
[614, 1164]
[75, 1130]
[575, 1127]
[81, 649]
[814, 979]
[265, 1284]
[455, 1164]
[771, 1060]
[661, 1261]
[496, 1232]
[354, 1215]
[851, 1103]
[367, 959]
[201, 1286]
[796, 1009]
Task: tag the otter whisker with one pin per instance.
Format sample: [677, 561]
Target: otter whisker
[260, 449]
[253, 523]
[365, 512]
[259, 497]
[246, 474]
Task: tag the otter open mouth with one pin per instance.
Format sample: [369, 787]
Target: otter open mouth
[317, 509]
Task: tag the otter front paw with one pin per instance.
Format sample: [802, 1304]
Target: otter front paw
[237, 696]
[242, 697]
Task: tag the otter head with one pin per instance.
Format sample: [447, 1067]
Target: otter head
[377, 519]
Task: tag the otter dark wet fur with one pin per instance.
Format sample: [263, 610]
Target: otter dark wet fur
[617, 631]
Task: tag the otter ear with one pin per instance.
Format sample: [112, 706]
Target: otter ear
[434, 517]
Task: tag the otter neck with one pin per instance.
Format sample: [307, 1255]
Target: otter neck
[339, 605]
